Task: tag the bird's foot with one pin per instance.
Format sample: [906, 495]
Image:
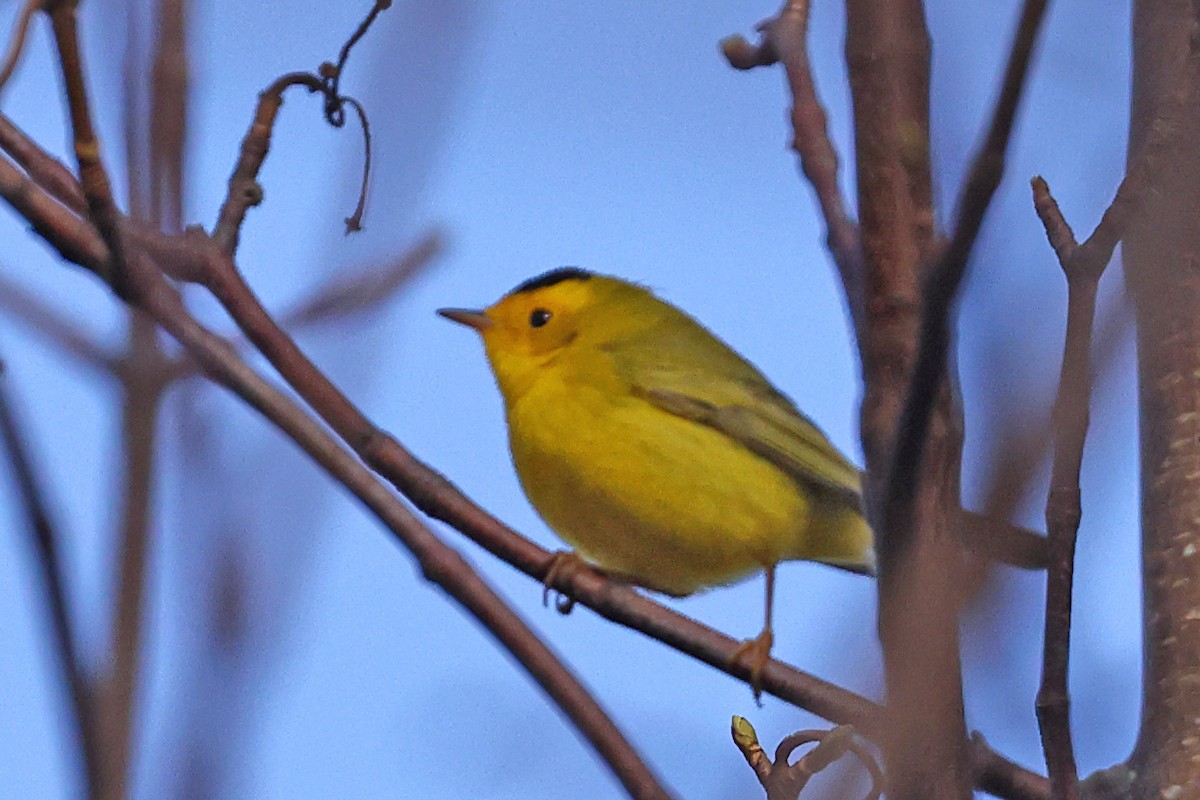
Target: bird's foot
[563, 564]
[753, 654]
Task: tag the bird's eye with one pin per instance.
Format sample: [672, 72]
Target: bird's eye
[539, 317]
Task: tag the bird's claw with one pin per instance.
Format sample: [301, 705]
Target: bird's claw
[563, 564]
[753, 654]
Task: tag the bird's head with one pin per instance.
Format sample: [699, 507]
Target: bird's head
[546, 318]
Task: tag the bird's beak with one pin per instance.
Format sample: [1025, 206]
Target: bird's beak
[466, 316]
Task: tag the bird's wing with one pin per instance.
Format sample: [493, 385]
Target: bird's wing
[706, 382]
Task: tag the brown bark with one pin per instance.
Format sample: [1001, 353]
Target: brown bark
[887, 49]
[1162, 257]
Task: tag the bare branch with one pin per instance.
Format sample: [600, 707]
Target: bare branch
[942, 284]
[47, 171]
[784, 781]
[1083, 266]
[47, 322]
[16, 44]
[45, 544]
[244, 190]
[365, 290]
[785, 39]
[93, 176]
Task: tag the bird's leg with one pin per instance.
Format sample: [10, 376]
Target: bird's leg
[563, 564]
[755, 653]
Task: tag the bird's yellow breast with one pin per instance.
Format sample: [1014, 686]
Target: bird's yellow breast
[666, 500]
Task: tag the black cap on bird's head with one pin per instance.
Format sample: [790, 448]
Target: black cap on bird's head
[557, 275]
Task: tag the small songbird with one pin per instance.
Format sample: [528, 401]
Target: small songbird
[657, 452]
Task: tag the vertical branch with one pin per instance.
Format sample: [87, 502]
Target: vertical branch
[908, 359]
[887, 49]
[1063, 505]
[1163, 274]
[141, 371]
[168, 116]
[46, 546]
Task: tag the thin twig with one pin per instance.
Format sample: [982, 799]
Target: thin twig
[93, 177]
[45, 544]
[785, 781]
[1083, 265]
[16, 43]
[1063, 509]
[785, 39]
[244, 190]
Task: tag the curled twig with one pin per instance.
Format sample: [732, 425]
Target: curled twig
[331, 74]
[785, 781]
[244, 189]
[354, 221]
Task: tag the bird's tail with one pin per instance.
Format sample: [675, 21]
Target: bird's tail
[839, 536]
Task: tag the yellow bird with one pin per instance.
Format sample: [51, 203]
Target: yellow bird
[656, 451]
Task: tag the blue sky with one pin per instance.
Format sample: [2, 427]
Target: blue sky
[537, 134]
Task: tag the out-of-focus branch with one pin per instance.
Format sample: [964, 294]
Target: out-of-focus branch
[169, 117]
[142, 378]
[48, 323]
[358, 292]
[924, 745]
[942, 284]
[45, 544]
[785, 40]
[16, 42]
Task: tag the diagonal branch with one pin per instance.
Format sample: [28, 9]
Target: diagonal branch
[46, 321]
[16, 43]
[45, 544]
